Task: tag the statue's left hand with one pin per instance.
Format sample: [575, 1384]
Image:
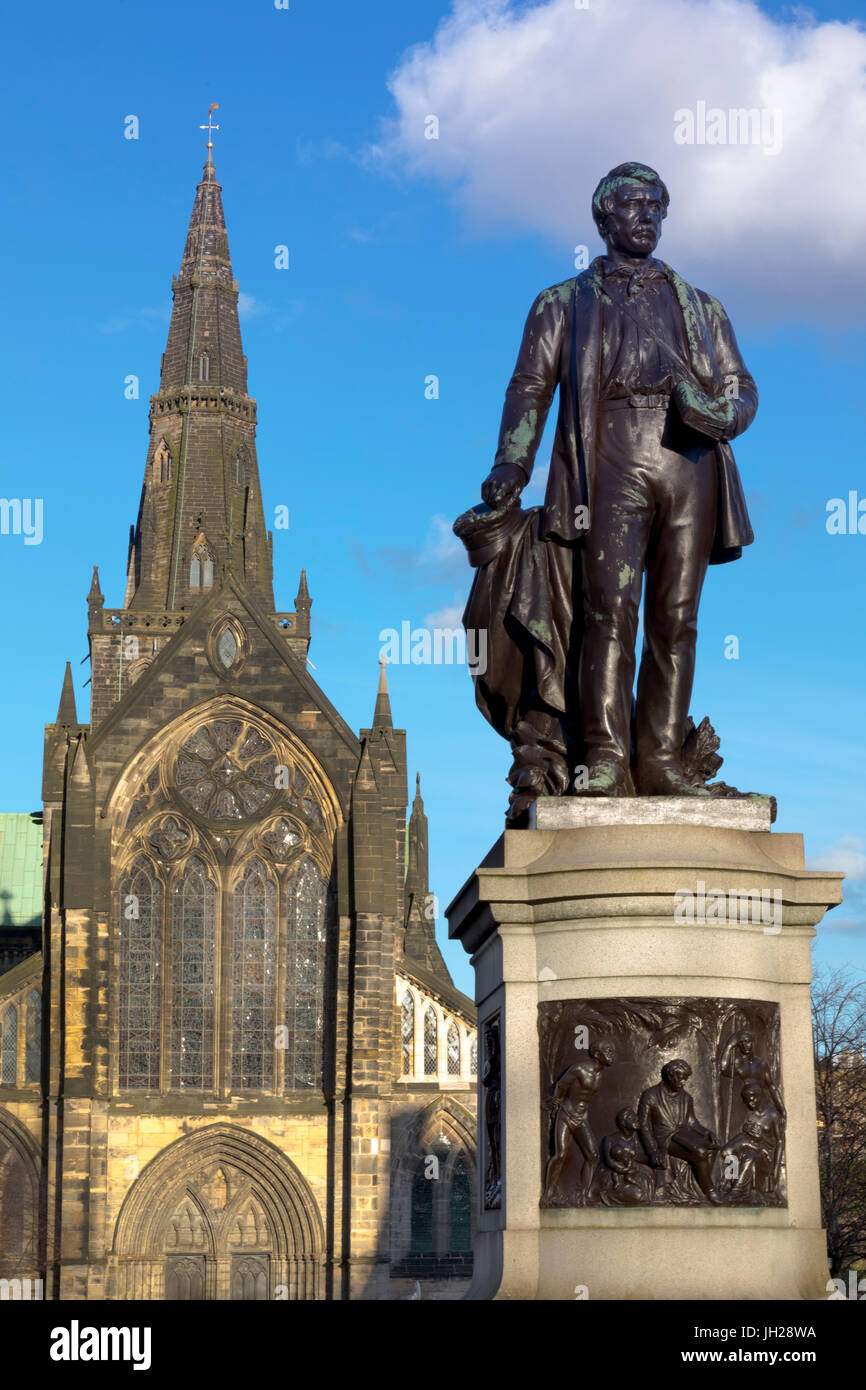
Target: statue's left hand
[713, 416]
[503, 485]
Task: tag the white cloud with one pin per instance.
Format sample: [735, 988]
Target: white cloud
[249, 306]
[535, 102]
[441, 543]
[846, 856]
[450, 616]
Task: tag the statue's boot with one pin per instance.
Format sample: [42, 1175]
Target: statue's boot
[659, 779]
[605, 779]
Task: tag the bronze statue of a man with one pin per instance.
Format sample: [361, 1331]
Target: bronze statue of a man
[642, 482]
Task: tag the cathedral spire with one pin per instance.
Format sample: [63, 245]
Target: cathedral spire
[417, 867]
[201, 509]
[382, 713]
[67, 713]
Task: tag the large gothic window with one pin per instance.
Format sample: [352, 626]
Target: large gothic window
[140, 978]
[253, 980]
[305, 979]
[193, 928]
[222, 919]
[9, 1047]
[407, 1033]
[33, 1036]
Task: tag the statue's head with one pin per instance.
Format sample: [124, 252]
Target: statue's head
[603, 1052]
[675, 1074]
[629, 206]
[747, 1042]
[751, 1094]
[626, 1122]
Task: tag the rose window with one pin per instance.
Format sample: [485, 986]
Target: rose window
[226, 770]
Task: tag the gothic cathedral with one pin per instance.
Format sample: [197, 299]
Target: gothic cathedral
[238, 1068]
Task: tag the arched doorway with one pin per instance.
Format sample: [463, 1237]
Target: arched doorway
[221, 1214]
[19, 1199]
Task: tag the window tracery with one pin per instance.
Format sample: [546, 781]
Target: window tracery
[140, 915]
[407, 1033]
[430, 1042]
[33, 1036]
[259, 923]
[9, 1047]
[191, 1041]
[253, 980]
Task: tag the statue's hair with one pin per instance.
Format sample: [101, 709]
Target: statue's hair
[624, 173]
[678, 1064]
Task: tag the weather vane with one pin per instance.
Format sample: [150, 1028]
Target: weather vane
[210, 127]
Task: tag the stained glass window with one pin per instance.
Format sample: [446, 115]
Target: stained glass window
[407, 1033]
[305, 978]
[140, 933]
[253, 982]
[9, 1047]
[460, 1205]
[473, 1057]
[421, 1238]
[226, 770]
[453, 1049]
[430, 1052]
[227, 648]
[193, 928]
[33, 1036]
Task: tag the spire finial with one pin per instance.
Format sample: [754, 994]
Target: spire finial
[382, 712]
[210, 128]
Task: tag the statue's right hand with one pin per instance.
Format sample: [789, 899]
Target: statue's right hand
[503, 485]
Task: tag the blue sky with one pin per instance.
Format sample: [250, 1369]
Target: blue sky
[413, 258]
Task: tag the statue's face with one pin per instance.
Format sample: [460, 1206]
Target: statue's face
[605, 1054]
[748, 1044]
[750, 1098]
[634, 222]
[676, 1079]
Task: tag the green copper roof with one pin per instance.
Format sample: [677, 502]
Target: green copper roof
[20, 869]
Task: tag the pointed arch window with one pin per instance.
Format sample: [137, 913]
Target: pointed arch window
[305, 978]
[407, 1033]
[253, 980]
[421, 1238]
[162, 464]
[140, 917]
[453, 1049]
[460, 1207]
[473, 1057]
[33, 1036]
[201, 567]
[240, 468]
[9, 1047]
[203, 365]
[193, 932]
[430, 1037]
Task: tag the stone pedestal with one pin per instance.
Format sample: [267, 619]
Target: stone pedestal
[660, 902]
